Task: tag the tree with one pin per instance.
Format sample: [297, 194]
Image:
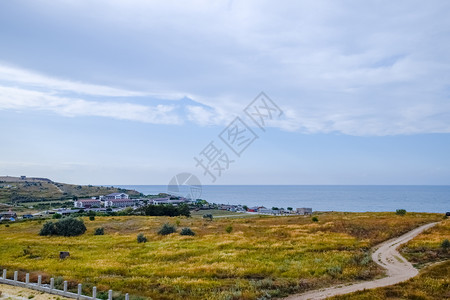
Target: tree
[289, 208]
[48, 229]
[57, 216]
[166, 229]
[183, 210]
[70, 227]
[187, 231]
[64, 227]
[274, 208]
[245, 207]
[400, 212]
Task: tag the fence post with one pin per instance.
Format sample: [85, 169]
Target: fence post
[127, 297]
[39, 280]
[16, 274]
[110, 295]
[52, 283]
[79, 290]
[65, 286]
[27, 278]
[94, 292]
[4, 273]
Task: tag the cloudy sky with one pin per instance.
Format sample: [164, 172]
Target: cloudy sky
[129, 92]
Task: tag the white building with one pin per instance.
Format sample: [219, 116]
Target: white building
[167, 200]
[87, 203]
[121, 202]
[115, 196]
[304, 211]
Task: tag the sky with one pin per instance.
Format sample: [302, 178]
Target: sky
[136, 92]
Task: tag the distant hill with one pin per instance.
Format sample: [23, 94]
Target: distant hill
[33, 189]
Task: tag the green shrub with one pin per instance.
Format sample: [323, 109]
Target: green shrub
[400, 212]
[92, 218]
[167, 229]
[229, 229]
[187, 231]
[48, 229]
[208, 216]
[334, 271]
[70, 227]
[57, 216]
[141, 238]
[99, 231]
[64, 227]
[315, 219]
[445, 244]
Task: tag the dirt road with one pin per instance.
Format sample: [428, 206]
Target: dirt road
[385, 255]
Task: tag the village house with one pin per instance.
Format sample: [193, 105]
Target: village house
[121, 202]
[87, 203]
[9, 215]
[115, 196]
[304, 211]
[255, 208]
[167, 200]
[269, 211]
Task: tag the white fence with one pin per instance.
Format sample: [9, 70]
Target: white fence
[50, 288]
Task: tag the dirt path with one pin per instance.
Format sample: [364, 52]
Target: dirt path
[386, 255]
[18, 293]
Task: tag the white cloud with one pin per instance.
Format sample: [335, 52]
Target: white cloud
[20, 99]
[376, 68]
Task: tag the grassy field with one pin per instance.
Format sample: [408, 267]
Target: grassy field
[433, 282]
[262, 256]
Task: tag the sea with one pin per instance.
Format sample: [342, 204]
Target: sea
[349, 198]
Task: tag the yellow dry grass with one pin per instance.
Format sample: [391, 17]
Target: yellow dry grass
[262, 255]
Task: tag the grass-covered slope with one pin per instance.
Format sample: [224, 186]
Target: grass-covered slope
[13, 190]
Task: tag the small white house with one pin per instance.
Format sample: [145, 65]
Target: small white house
[304, 211]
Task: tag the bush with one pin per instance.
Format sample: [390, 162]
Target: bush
[315, 219]
[229, 229]
[445, 244]
[187, 231]
[70, 227]
[165, 210]
[99, 231]
[57, 216]
[64, 227]
[400, 212]
[48, 229]
[208, 216]
[141, 238]
[167, 229]
[91, 218]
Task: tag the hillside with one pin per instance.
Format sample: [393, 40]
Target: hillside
[25, 189]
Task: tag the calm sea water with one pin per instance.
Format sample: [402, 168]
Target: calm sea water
[324, 197]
